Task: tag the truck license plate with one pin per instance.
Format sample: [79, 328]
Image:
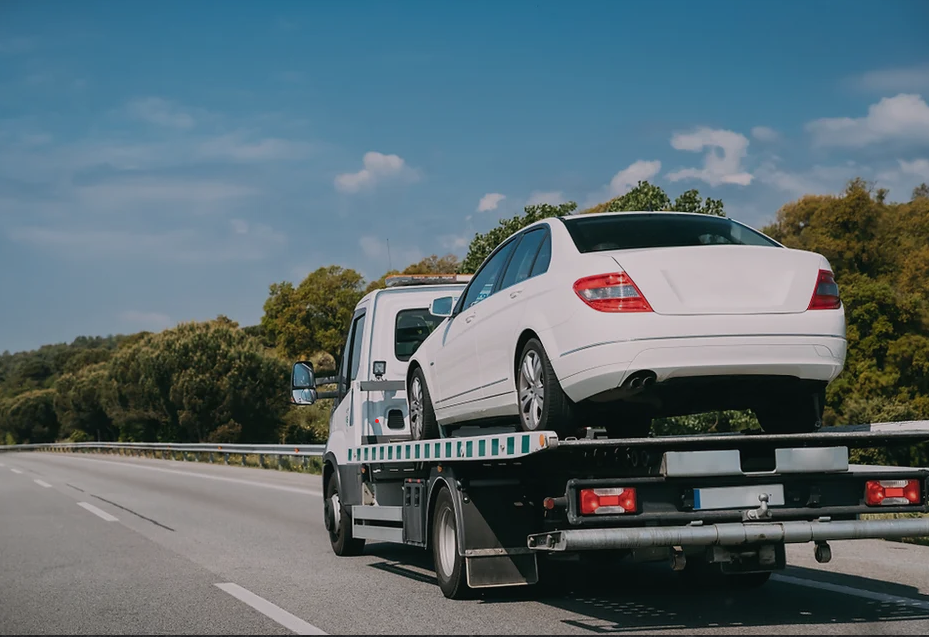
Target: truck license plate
[737, 497]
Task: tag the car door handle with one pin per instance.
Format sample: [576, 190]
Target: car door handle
[515, 293]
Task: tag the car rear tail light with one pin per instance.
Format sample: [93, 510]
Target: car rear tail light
[826, 293]
[890, 492]
[615, 292]
[606, 501]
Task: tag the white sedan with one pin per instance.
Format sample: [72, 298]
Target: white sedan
[610, 320]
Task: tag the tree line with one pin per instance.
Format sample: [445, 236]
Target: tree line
[215, 381]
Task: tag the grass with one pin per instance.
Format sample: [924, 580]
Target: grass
[297, 464]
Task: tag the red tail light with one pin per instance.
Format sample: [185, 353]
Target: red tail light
[606, 501]
[614, 292]
[826, 293]
[890, 492]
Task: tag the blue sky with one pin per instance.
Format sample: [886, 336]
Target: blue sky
[167, 161]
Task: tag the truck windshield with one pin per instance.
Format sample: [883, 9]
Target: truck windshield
[412, 328]
[595, 233]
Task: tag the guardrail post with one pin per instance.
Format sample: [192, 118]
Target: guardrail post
[210, 455]
[243, 459]
[306, 462]
[261, 460]
[225, 458]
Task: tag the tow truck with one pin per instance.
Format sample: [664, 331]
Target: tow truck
[494, 505]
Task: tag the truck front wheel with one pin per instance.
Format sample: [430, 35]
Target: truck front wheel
[339, 523]
[449, 564]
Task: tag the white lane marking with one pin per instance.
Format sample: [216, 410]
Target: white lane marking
[857, 592]
[266, 608]
[16, 470]
[263, 485]
[98, 512]
[42, 483]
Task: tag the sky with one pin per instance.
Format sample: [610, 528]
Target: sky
[168, 161]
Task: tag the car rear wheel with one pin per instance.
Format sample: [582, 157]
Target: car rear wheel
[543, 405]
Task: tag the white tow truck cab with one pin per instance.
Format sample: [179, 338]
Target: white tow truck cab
[493, 504]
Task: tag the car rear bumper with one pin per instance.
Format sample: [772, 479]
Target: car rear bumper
[600, 367]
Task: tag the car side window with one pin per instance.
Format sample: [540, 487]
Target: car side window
[482, 285]
[523, 256]
[357, 333]
[544, 257]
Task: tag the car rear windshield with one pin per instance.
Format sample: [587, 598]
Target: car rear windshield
[595, 233]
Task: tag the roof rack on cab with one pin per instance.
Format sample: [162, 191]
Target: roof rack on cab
[399, 280]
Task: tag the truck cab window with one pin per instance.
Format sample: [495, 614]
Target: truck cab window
[355, 357]
[411, 329]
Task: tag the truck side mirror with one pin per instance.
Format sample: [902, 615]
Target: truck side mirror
[442, 306]
[303, 384]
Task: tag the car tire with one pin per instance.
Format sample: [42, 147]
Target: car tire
[542, 404]
[423, 424]
[795, 414]
[339, 523]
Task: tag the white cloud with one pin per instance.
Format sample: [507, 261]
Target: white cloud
[233, 146]
[454, 242]
[537, 197]
[378, 167]
[161, 112]
[399, 257]
[240, 226]
[909, 78]
[127, 195]
[816, 180]
[147, 320]
[184, 245]
[717, 169]
[764, 133]
[627, 178]
[490, 201]
[917, 168]
[904, 117]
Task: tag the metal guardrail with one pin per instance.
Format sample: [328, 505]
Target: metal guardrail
[173, 449]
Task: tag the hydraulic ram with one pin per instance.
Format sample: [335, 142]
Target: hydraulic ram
[727, 534]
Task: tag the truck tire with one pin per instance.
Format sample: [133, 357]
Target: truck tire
[423, 425]
[449, 564]
[339, 523]
[543, 405]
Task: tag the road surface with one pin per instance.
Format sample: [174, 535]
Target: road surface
[107, 545]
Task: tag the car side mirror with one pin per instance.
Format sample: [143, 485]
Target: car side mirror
[442, 306]
[303, 384]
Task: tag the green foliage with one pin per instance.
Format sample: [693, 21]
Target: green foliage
[313, 316]
[649, 197]
[29, 417]
[198, 382]
[483, 244]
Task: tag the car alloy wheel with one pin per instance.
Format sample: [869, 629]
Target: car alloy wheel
[531, 390]
[416, 408]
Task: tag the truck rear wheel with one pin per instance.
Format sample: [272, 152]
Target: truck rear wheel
[423, 425]
[449, 564]
[339, 523]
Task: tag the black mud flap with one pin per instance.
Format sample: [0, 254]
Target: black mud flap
[496, 518]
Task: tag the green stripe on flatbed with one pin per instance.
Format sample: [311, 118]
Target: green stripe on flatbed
[490, 447]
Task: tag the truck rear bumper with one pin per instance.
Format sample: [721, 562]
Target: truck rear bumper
[727, 534]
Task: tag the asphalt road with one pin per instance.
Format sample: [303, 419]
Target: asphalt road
[106, 545]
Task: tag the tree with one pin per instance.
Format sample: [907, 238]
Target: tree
[313, 316]
[921, 191]
[483, 244]
[430, 265]
[29, 418]
[649, 197]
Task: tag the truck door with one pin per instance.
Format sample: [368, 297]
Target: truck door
[346, 417]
